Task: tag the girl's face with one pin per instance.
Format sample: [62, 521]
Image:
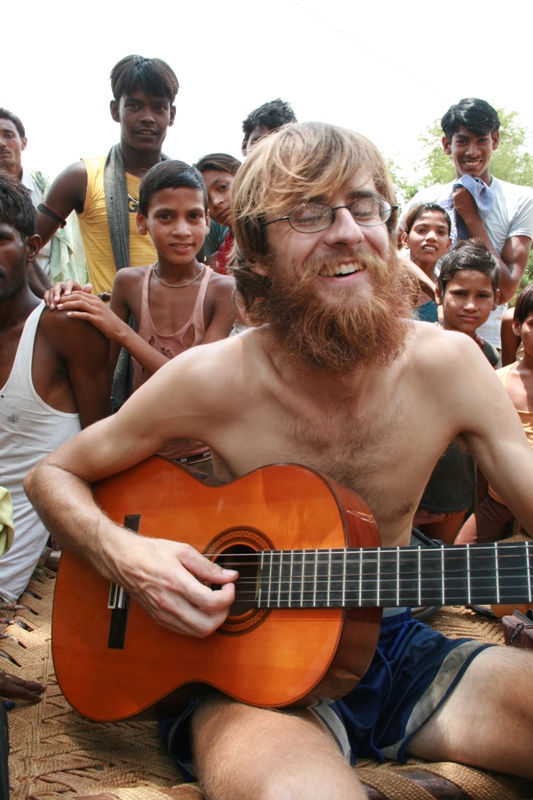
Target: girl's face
[219, 191]
[428, 239]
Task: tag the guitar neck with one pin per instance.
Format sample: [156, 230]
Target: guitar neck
[395, 576]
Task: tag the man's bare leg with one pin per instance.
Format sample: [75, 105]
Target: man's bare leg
[487, 721]
[245, 753]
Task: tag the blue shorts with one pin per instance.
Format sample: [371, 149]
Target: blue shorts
[413, 671]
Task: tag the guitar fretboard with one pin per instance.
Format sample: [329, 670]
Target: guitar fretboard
[393, 576]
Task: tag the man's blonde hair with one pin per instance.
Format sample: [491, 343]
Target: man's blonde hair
[295, 165]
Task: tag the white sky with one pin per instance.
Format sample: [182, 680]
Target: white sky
[388, 71]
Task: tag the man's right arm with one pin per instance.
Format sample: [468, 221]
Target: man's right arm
[66, 194]
[167, 578]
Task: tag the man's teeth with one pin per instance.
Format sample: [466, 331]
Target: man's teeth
[340, 269]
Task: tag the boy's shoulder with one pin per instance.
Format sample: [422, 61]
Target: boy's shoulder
[219, 284]
[130, 276]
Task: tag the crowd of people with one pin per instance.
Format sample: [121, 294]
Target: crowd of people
[314, 323]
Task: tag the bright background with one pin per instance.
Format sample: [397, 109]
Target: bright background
[385, 69]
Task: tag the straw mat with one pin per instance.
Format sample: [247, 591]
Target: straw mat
[56, 755]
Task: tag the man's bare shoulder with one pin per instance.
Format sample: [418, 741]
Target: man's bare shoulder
[447, 361]
[74, 336]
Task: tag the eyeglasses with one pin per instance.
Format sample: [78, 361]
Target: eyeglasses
[368, 210]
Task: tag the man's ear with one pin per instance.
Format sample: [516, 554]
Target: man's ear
[141, 224]
[23, 143]
[496, 300]
[495, 136]
[33, 245]
[446, 145]
[172, 116]
[113, 107]
[439, 297]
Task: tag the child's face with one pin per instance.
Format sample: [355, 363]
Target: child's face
[428, 239]
[525, 331]
[468, 300]
[177, 222]
[219, 190]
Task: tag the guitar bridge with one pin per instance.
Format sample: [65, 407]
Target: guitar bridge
[119, 601]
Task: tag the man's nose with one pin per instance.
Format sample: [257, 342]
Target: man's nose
[344, 227]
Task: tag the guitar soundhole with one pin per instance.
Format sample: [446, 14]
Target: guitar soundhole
[240, 550]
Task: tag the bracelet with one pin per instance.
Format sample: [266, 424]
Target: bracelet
[49, 211]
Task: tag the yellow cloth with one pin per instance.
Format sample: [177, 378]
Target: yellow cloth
[6, 521]
[526, 418]
[95, 230]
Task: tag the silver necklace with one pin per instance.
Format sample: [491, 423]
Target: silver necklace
[178, 285]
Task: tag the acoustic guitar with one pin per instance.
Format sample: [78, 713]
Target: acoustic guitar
[306, 619]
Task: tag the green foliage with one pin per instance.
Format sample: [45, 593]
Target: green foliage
[404, 190]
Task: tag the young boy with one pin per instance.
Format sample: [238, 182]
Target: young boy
[104, 191]
[488, 522]
[176, 302]
[467, 290]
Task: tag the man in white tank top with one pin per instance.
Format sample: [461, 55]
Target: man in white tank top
[54, 380]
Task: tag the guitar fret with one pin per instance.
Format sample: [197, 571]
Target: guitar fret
[443, 577]
[528, 570]
[419, 576]
[378, 565]
[320, 599]
[468, 581]
[397, 549]
[344, 568]
[387, 563]
[360, 558]
[497, 574]
[329, 580]
[431, 576]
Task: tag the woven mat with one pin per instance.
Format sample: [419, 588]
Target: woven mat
[57, 755]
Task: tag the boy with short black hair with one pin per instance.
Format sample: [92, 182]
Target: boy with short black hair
[104, 191]
[177, 303]
[468, 290]
[263, 120]
[488, 522]
[497, 213]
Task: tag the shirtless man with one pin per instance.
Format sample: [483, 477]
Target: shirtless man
[339, 379]
[54, 379]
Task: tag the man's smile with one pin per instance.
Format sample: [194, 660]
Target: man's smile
[340, 270]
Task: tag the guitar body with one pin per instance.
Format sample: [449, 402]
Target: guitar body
[265, 657]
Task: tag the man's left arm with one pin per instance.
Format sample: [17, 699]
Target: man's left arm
[85, 353]
[493, 432]
[515, 253]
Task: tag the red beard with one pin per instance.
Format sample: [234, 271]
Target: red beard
[341, 336]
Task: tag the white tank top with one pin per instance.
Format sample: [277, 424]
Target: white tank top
[29, 430]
